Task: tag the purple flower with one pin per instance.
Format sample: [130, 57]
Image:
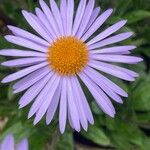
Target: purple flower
[64, 52]
[9, 144]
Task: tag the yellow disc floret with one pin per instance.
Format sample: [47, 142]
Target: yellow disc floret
[68, 55]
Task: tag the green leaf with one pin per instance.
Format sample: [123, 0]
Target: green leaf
[97, 135]
[65, 141]
[136, 16]
[141, 95]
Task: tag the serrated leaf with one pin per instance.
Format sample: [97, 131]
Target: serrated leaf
[96, 135]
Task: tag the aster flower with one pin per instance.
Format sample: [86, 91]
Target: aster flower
[9, 144]
[65, 54]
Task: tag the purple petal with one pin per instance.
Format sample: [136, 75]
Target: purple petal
[31, 79]
[8, 143]
[26, 43]
[63, 8]
[23, 145]
[33, 91]
[94, 15]
[108, 31]
[110, 84]
[45, 22]
[79, 105]
[21, 53]
[36, 24]
[50, 17]
[86, 18]
[53, 104]
[111, 50]
[25, 34]
[47, 100]
[112, 70]
[23, 72]
[101, 99]
[70, 120]
[94, 75]
[78, 17]
[22, 62]
[70, 13]
[72, 107]
[97, 24]
[116, 58]
[85, 104]
[42, 96]
[57, 16]
[111, 40]
[63, 107]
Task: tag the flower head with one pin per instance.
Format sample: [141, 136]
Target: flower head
[65, 53]
[9, 144]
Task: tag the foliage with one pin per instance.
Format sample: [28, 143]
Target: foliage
[131, 127]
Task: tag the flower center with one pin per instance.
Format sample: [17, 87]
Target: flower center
[68, 55]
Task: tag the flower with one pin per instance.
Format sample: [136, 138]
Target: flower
[64, 55]
[9, 144]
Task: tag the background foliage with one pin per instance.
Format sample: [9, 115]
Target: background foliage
[128, 131]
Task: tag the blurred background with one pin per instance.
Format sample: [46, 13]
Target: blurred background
[130, 130]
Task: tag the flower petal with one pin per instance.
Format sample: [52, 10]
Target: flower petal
[79, 105]
[21, 53]
[70, 13]
[42, 96]
[114, 70]
[79, 15]
[25, 34]
[85, 104]
[22, 62]
[101, 99]
[97, 24]
[53, 104]
[86, 18]
[36, 24]
[31, 79]
[116, 58]
[34, 90]
[57, 16]
[23, 72]
[108, 82]
[23, 145]
[63, 106]
[63, 8]
[94, 15]
[50, 17]
[49, 94]
[74, 116]
[42, 17]
[113, 50]
[8, 143]
[25, 43]
[94, 75]
[108, 31]
[111, 40]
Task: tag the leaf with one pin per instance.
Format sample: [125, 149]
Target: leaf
[126, 135]
[96, 135]
[65, 141]
[136, 16]
[141, 95]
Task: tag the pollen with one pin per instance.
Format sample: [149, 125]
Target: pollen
[68, 56]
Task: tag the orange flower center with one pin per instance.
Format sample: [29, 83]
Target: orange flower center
[68, 56]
